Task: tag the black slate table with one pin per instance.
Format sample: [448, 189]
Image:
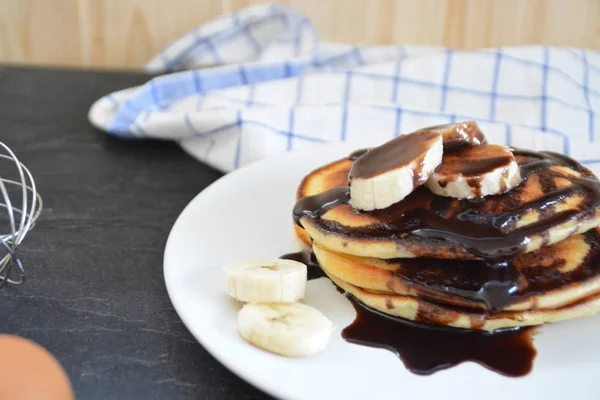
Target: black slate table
[95, 295]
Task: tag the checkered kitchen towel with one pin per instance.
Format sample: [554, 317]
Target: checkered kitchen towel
[258, 82]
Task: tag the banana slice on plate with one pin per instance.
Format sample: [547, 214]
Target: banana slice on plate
[266, 281]
[292, 330]
[475, 171]
[386, 174]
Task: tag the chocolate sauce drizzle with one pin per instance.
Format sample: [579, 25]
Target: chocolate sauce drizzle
[398, 152]
[316, 206]
[543, 160]
[459, 134]
[479, 281]
[472, 162]
[356, 154]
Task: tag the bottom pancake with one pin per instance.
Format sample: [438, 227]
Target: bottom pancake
[551, 277]
[419, 310]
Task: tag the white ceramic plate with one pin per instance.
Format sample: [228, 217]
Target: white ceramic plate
[247, 214]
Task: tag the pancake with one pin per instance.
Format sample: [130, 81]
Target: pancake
[419, 310]
[550, 277]
[558, 198]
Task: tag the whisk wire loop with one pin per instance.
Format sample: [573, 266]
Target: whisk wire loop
[20, 207]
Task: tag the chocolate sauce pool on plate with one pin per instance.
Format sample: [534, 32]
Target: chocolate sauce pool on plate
[425, 349]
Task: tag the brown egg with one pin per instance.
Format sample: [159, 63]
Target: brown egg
[30, 372]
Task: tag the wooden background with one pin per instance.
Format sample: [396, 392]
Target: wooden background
[127, 33]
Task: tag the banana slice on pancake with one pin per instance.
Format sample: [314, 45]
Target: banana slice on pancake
[387, 174]
[467, 172]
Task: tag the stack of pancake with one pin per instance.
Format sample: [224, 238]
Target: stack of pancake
[525, 257]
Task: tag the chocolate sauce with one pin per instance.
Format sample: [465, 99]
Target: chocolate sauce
[356, 154]
[396, 153]
[425, 349]
[480, 281]
[316, 206]
[469, 283]
[544, 159]
[473, 161]
[459, 134]
[452, 134]
[543, 272]
[308, 258]
[490, 240]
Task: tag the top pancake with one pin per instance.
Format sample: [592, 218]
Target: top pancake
[558, 198]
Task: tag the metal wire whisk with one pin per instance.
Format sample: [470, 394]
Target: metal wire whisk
[20, 207]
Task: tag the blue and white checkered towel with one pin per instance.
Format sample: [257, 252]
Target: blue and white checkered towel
[258, 82]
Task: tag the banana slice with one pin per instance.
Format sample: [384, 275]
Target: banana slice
[467, 132]
[386, 174]
[292, 330]
[475, 171]
[266, 281]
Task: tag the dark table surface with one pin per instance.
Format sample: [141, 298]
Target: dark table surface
[95, 295]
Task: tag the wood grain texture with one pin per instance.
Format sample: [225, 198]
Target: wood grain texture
[127, 33]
